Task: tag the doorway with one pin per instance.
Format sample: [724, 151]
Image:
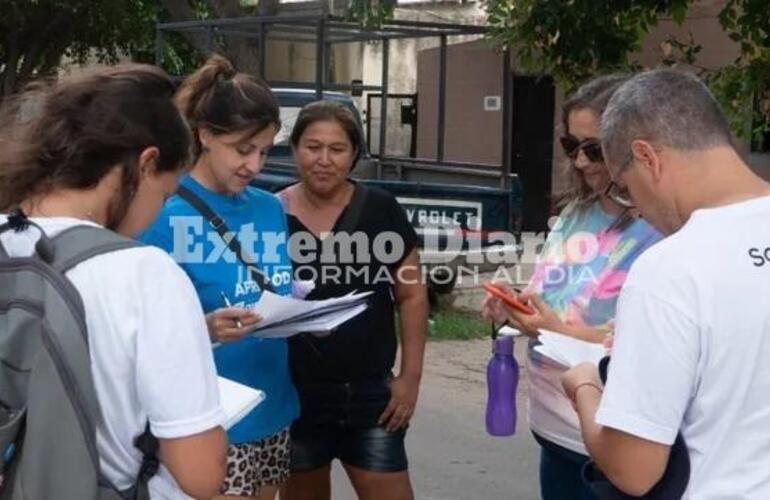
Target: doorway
[532, 149]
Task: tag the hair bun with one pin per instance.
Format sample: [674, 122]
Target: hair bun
[220, 67]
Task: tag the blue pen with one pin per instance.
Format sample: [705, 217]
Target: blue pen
[228, 304]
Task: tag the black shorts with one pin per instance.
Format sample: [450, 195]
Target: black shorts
[339, 420]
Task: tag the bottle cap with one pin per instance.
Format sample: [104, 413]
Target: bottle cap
[503, 345]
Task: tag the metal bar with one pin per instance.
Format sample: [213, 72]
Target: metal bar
[337, 87]
[413, 138]
[415, 28]
[328, 54]
[262, 52]
[238, 21]
[384, 99]
[210, 40]
[462, 29]
[471, 172]
[320, 60]
[441, 99]
[159, 48]
[369, 121]
[387, 31]
[507, 115]
[487, 167]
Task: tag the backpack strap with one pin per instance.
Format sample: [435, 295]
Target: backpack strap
[80, 243]
[218, 224]
[71, 247]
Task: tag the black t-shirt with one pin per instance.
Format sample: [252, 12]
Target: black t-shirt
[365, 346]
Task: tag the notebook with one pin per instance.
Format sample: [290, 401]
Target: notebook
[237, 400]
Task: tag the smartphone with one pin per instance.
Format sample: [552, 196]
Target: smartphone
[510, 300]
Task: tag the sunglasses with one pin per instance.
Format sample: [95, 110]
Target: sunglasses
[619, 195]
[590, 147]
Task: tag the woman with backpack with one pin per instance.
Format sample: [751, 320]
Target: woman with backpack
[99, 153]
[234, 119]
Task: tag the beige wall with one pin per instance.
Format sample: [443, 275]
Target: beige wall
[472, 134]
[296, 62]
[403, 63]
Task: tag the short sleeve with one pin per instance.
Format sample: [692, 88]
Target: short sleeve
[176, 377]
[399, 223]
[652, 376]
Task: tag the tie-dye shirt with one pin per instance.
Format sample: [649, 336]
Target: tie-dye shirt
[579, 273]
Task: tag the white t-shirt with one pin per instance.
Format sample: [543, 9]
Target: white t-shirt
[150, 352]
[692, 350]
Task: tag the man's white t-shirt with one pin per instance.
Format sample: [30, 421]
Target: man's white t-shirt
[150, 353]
[692, 350]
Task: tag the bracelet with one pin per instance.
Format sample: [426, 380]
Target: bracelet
[584, 384]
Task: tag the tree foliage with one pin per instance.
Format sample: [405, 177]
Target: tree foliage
[573, 40]
[36, 36]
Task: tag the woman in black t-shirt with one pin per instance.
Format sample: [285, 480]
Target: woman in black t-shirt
[346, 237]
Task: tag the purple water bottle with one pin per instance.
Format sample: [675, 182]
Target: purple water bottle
[502, 380]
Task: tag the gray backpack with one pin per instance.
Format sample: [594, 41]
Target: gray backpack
[48, 404]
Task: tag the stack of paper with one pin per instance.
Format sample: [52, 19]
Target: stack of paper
[237, 400]
[284, 316]
[568, 351]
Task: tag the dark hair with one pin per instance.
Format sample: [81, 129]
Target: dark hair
[73, 133]
[223, 101]
[593, 96]
[326, 110]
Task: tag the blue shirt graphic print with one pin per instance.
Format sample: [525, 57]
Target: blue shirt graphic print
[259, 222]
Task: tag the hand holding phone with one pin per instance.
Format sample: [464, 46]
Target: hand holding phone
[508, 299]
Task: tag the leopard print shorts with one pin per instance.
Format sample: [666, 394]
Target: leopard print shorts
[250, 466]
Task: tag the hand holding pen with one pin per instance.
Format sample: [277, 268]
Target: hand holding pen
[228, 324]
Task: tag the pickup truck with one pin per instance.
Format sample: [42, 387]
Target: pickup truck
[462, 228]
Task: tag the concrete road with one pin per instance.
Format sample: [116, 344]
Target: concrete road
[451, 455]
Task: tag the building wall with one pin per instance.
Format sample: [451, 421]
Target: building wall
[472, 134]
[403, 67]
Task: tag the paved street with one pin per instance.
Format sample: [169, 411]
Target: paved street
[452, 457]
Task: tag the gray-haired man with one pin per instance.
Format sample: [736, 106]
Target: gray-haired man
[692, 343]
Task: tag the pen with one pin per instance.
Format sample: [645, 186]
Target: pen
[228, 304]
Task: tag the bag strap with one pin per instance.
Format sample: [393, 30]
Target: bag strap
[352, 214]
[148, 445]
[3, 252]
[218, 224]
[80, 243]
[71, 247]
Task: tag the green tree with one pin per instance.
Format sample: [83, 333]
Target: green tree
[573, 40]
[36, 36]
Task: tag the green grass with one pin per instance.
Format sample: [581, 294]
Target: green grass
[452, 324]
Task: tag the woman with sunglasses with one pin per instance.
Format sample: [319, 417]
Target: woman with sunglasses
[575, 285]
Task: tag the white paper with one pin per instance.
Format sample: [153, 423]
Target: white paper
[569, 351]
[237, 400]
[325, 323]
[284, 316]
